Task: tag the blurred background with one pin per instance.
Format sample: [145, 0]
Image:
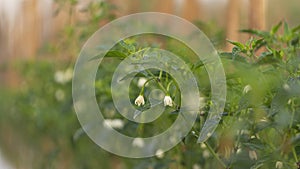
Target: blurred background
[39, 43]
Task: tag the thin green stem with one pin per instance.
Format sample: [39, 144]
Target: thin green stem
[295, 154]
[143, 87]
[215, 155]
[158, 81]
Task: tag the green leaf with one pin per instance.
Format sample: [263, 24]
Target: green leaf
[257, 44]
[286, 29]
[197, 65]
[129, 47]
[238, 44]
[296, 29]
[112, 53]
[231, 56]
[256, 32]
[257, 166]
[276, 28]
[115, 53]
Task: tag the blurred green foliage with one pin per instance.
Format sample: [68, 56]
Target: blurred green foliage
[259, 129]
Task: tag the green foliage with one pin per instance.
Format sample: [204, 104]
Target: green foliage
[259, 126]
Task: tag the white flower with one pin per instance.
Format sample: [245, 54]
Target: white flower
[68, 74]
[196, 166]
[247, 88]
[168, 101]
[59, 77]
[59, 95]
[113, 123]
[141, 82]
[286, 87]
[206, 154]
[139, 100]
[279, 164]
[138, 142]
[159, 154]
[252, 155]
[63, 77]
[203, 146]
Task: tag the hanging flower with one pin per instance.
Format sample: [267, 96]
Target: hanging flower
[160, 154]
[247, 89]
[139, 101]
[252, 155]
[279, 164]
[168, 101]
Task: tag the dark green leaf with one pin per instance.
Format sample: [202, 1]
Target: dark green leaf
[262, 34]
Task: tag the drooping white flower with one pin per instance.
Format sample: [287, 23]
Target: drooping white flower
[279, 164]
[160, 154]
[141, 82]
[138, 142]
[113, 123]
[139, 101]
[196, 166]
[247, 88]
[252, 155]
[168, 101]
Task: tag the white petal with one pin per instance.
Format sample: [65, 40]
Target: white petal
[159, 153]
[138, 142]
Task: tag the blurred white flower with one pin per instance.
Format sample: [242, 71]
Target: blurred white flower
[59, 77]
[206, 154]
[252, 155]
[286, 87]
[141, 82]
[239, 151]
[68, 74]
[196, 166]
[160, 154]
[113, 123]
[279, 164]
[203, 146]
[139, 100]
[59, 95]
[247, 88]
[63, 77]
[138, 142]
[168, 101]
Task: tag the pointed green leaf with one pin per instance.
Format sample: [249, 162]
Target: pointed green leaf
[286, 29]
[238, 44]
[276, 28]
[296, 29]
[256, 32]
